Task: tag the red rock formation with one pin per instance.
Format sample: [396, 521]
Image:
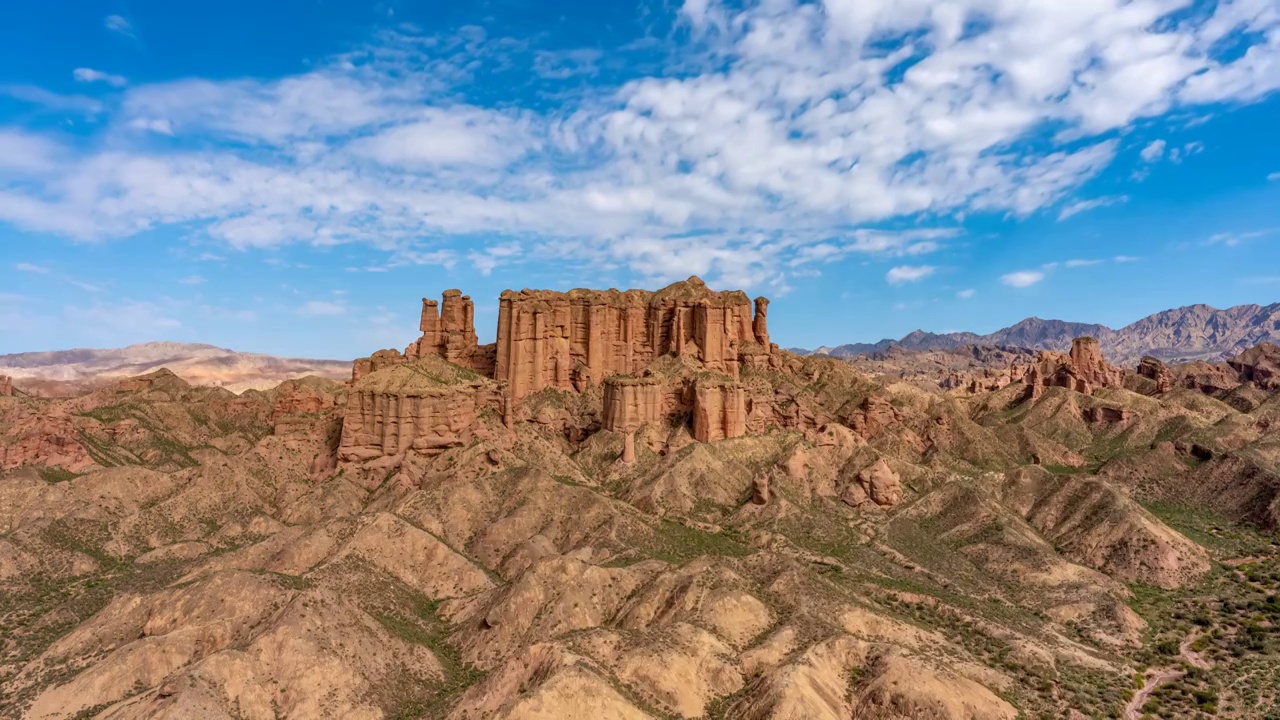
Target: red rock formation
[1153, 369]
[401, 412]
[575, 340]
[449, 331]
[881, 484]
[1259, 365]
[1083, 370]
[379, 360]
[719, 410]
[630, 403]
[6, 386]
[629, 449]
[761, 325]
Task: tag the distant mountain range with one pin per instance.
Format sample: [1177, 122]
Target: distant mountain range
[1194, 332]
[69, 371]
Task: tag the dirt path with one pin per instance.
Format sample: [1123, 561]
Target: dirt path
[1133, 711]
[1191, 656]
[1157, 677]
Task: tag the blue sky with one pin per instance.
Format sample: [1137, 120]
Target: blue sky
[290, 177]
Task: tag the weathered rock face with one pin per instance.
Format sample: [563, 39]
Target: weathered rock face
[630, 403]
[1083, 370]
[577, 339]
[449, 331]
[1153, 369]
[719, 411]
[6, 386]
[405, 410]
[382, 359]
[879, 483]
[1259, 365]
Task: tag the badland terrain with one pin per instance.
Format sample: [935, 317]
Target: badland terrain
[636, 505]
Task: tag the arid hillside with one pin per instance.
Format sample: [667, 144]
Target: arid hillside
[635, 505]
[73, 372]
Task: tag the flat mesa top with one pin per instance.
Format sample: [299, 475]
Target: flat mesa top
[690, 290]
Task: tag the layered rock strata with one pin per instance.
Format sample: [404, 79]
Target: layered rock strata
[719, 410]
[1155, 370]
[409, 410]
[630, 403]
[574, 340]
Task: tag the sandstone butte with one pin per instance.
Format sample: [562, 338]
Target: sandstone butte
[570, 341]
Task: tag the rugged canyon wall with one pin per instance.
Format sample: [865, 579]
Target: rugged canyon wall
[6, 386]
[576, 339]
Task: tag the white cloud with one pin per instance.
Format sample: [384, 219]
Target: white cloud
[1125, 258]
[1081, 263]
[1273, 177]
[1076, 208]
[908, 273]
[125, 317]
[118, 24]
[159, 126]
[1022, 278]
[774, 138]
[1153, 152]
[1231, 239]
[322, 308]
[89, 75]
[29, 268]
[965, 294]
[491, 257]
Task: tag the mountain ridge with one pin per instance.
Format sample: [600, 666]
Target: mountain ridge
[1190, 332]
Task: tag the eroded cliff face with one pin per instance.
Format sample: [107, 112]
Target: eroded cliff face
[6, 386]
[423, 406]
[719, 411]
[577, 339]
[630, 403]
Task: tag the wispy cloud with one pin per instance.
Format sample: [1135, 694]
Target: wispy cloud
[908, 273]
[322, 308]
[1022, 278]
[193, 280]
[1153, 152]
[89, 75]
[1273, 176]
[118, 24]
[1082, 263]
[1076, 208]
[1126, 258]
[965, 294]
[1231, 239]
[29, 268]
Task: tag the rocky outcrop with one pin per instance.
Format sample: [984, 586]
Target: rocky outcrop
[630, 403]
[877, 483]
[413, 408]
[1259, 365]
[719, 410]
[449, 331]
[363, 367]
[574, 340]
[1155, 370]
[6, 386]
[1082, 370]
